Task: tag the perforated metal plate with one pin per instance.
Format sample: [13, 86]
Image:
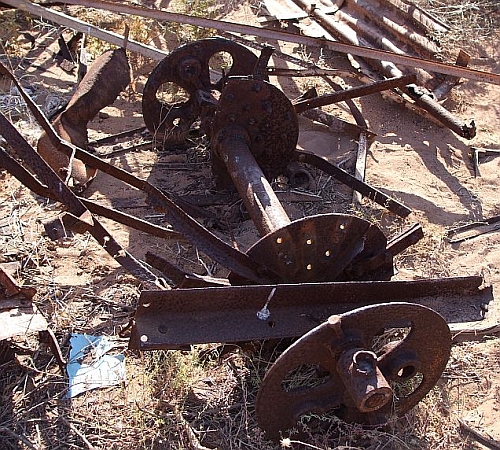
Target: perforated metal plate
[322, 248]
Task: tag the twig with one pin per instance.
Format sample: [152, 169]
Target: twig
[79, 434]
[482, 439]
[24, 440]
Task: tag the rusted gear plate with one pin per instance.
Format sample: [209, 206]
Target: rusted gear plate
[268, 117]
[188, 67]
[411, 366]
[322, 248]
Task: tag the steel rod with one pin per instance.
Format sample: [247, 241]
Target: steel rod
[221, 25]
[348, 94]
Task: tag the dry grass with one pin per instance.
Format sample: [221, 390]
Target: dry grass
[204, 397]
[472, 22]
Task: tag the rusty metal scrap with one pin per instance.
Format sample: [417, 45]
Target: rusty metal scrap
[162, 117]
[63, 194]
[388, 25]
[188, 67]
[474, 229]
[344, 177]
[477, 153]
[18, 315]
[107, 77]
[176, 318]
[297, 275]
[205, 240]
[355, 379]
[274, 35]
[34, 185]
[348, 94]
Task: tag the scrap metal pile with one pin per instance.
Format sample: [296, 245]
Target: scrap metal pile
[323, 278]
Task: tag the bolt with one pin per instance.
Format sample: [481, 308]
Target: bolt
[335, 323]
[267, 106]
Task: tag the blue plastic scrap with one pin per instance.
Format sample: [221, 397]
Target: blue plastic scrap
[90, 367]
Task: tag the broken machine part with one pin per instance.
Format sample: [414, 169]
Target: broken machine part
[107, 77]
[253, 132]
[353, 373]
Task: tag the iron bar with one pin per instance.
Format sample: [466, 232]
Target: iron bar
[271, 34]
[176, 318]
[368, 191]
[341, 96]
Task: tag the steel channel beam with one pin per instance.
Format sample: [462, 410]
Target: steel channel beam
[177, 318]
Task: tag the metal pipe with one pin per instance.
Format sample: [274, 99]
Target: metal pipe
[419, 43]
[363, 380]
[233, 147]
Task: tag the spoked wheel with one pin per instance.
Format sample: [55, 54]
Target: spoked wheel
[188, 67]
[342, 368]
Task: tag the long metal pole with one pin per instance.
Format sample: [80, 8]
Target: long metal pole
[158, 14]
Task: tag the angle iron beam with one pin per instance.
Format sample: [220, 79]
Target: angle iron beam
[177, 318]
[346, 178]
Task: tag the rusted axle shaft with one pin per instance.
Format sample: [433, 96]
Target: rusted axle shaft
[258, 196]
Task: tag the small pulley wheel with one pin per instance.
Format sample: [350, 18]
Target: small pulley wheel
[325, 247]
[188, 67]
[350, 367]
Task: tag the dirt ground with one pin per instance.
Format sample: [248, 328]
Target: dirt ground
[203, 398]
